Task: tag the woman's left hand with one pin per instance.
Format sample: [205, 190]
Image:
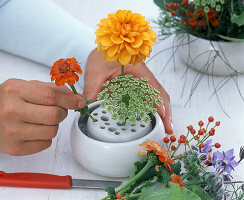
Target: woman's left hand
[98, 71]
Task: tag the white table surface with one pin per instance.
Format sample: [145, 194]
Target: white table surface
[58, 158]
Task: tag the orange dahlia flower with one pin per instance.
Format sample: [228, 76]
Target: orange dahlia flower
[126, 37]
[162, 153]
[64, 71]
[176, 179]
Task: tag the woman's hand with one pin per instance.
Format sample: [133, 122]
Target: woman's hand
[30, 112]
[98, 71]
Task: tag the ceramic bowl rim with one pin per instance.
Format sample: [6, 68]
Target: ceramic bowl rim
[157, 124]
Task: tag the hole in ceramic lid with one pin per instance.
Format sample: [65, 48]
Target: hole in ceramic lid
[102, 127]
[133, 124]
[95, 114]
[123, 128]
[104, 118]
[104, 111]
[133, 130]
[112, 129]
[107, 123]
[117, 133]
[143, 125]
[119, 124]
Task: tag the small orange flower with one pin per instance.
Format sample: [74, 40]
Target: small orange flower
[126, 37]
[64, 71]
[176, 179]
[162, 153]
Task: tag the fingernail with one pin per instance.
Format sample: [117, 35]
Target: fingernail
[163, 108]
[172, 126]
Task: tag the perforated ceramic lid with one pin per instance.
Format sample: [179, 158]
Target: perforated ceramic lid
[108, 130]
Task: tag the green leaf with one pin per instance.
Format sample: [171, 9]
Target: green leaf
[154, 194]
[238, 19]
[200, 192]
[177, 193]
[144, 184]
[176, 168]
[87, 101]
[160, 4]
[164, 177]
[83, 110]
[111, 192]
[231, 39]
[138, 166]
[174, 193]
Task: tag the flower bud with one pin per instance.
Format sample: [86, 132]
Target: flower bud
[242, 187]
[202, 157]
[218, 185]
[241, 154]
[226, 178]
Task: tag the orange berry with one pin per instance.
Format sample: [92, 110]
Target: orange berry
[173, 13]
[183, 136]
[190, 127]
[181, 140]
[200, 132]
[211, 119]
[196, 138]
[211, 132]
[217, 123]
[166, 140]
[201, 145]
[172, 138]
[173, 147]
[200, 123]
[175, 5]
[217, 145]
[193, 131]
[118, 196]
[204, 130]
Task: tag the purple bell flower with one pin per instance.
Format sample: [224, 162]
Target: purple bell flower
[207, 147]
[225, 160]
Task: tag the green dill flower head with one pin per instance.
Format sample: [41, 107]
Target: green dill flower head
[218, 8]
[206, 9]
[197, 2]
[126, 97]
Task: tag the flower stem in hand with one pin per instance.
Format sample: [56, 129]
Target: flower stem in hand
[82, 110]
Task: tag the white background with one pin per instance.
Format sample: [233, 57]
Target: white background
[58, 158]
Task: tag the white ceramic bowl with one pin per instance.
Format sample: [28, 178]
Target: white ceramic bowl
[109, 159]
[196, 52]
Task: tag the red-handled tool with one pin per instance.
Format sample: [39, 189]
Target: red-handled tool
[39, 180]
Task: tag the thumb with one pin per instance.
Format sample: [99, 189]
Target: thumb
[92, 87]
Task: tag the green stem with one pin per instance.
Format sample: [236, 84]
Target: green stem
[135, 178]
[195, 183]
[175, 150]
[94, 120]
[177, 157]
[132, 196]
[122, 70]
[210, 30]
[187, 174]
[75, 92]
[73, 89]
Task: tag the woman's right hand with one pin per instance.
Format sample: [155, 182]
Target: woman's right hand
[30, 112]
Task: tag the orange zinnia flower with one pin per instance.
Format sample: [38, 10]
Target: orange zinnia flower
[64, 71]
[126, 37]
[162, 153]
[176, 179]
